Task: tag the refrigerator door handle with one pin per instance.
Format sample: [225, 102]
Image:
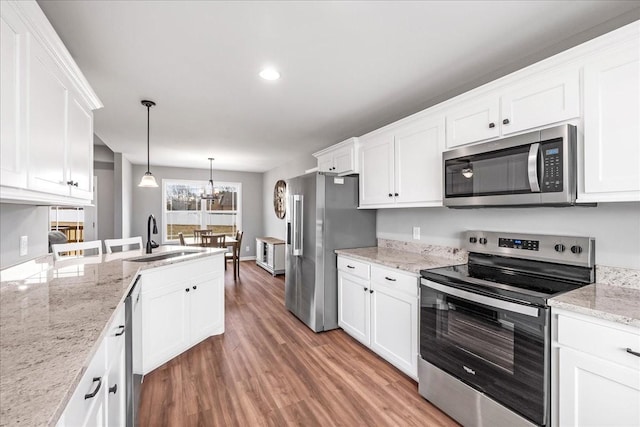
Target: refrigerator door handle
[297, 224]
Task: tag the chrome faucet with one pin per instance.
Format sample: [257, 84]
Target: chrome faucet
[155, 231]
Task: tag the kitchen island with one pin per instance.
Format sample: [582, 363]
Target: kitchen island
[53, 317]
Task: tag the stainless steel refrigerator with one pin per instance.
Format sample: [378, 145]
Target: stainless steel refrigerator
[321, 216]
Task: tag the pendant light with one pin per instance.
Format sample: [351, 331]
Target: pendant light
[209, 193]
[148, 180]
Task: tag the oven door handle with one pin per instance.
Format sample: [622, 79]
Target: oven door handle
[482, 299]
[532, 168]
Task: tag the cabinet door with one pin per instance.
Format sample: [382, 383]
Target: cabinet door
[13, 50]
[344, 160]
[418, 162]
[394, 328]
[473, 121]
[46, 109]
[165, 332]
[376, 170]
[325, 163]
[595, 392]
[544, 100]
[611, 126]
[116, 391]
[206, 306]
[354, 306]
[80, 150]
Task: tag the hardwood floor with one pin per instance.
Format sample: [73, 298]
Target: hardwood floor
[269, 369]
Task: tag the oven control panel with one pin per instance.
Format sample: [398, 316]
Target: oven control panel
[571, 250]
[531, 245]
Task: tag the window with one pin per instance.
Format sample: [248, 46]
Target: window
[184, 210]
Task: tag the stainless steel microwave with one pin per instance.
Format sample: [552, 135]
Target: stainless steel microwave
[536, 168]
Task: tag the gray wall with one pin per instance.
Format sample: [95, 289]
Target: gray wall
[274, 227]
[149, 200]
[122, 196]
[104, 202]
[615, 226]
[22, 220]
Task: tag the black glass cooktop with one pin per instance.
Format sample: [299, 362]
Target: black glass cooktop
[509, 278]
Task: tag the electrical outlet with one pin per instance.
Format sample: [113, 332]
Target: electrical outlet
[247, 249]
[24, 245]
[416, 233]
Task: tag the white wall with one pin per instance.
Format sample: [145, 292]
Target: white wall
[23, 220]
[122, 196]
[615, 226]
[148, 201]
[274, 227]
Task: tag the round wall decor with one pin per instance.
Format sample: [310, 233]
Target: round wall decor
[279, 199]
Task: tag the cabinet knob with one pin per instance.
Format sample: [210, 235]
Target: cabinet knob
[75, 184]
[396, 194]
[366, 289]
[492, 125]
[390, 195]
[113, 389]
[370, 291]
[505, 122]
[187, 290]
[195, 287]
[69, 182]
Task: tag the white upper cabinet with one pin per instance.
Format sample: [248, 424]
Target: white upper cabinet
[13, 42]
[542, 100]
[536, 101]
[47, 118]
[473, 121]
[376, 170]
[612, 125]
[400, 166]
[339, 158]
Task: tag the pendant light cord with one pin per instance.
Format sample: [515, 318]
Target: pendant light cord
[148, 115]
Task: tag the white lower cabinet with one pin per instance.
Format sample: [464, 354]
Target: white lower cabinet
[182, 304]
[99, 398]
[380, 311]
[596, 380]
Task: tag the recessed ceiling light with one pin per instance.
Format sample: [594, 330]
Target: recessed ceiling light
[270, 74]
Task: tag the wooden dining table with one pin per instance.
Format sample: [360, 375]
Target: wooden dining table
[229, 242]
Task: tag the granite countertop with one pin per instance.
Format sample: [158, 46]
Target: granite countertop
[608, 302]
[407, 261]
[53, 315]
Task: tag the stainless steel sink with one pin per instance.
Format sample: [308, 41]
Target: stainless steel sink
[166, 255]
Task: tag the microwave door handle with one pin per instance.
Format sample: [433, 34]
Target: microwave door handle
[533, 167]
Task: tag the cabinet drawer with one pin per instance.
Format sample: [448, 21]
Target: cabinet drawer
[356, 268]
[606, 342]
[394, 280]
[75, 414]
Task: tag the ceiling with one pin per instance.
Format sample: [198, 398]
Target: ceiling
[347, 67]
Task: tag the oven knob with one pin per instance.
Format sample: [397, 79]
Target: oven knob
[559, 247]
[472, 240]
[576, 249]
[483, 240]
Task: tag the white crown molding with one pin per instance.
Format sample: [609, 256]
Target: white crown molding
[42, 30]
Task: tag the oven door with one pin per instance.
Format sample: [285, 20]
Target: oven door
[496, 346]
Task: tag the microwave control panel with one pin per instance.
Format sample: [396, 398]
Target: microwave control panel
[552, 171]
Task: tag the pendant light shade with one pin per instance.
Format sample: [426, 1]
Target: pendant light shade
[148, 180]
[209, 193]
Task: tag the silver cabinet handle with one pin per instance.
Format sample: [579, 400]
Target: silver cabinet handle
[635, 353]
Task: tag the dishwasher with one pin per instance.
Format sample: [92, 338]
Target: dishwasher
[133, 351]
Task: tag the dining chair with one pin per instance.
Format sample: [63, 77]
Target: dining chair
[111, 243]
[234, 255]
[75, 247]
[197, 235]
[213, 240]
[181, 238]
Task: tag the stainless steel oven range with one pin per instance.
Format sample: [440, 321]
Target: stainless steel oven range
[484, 326]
